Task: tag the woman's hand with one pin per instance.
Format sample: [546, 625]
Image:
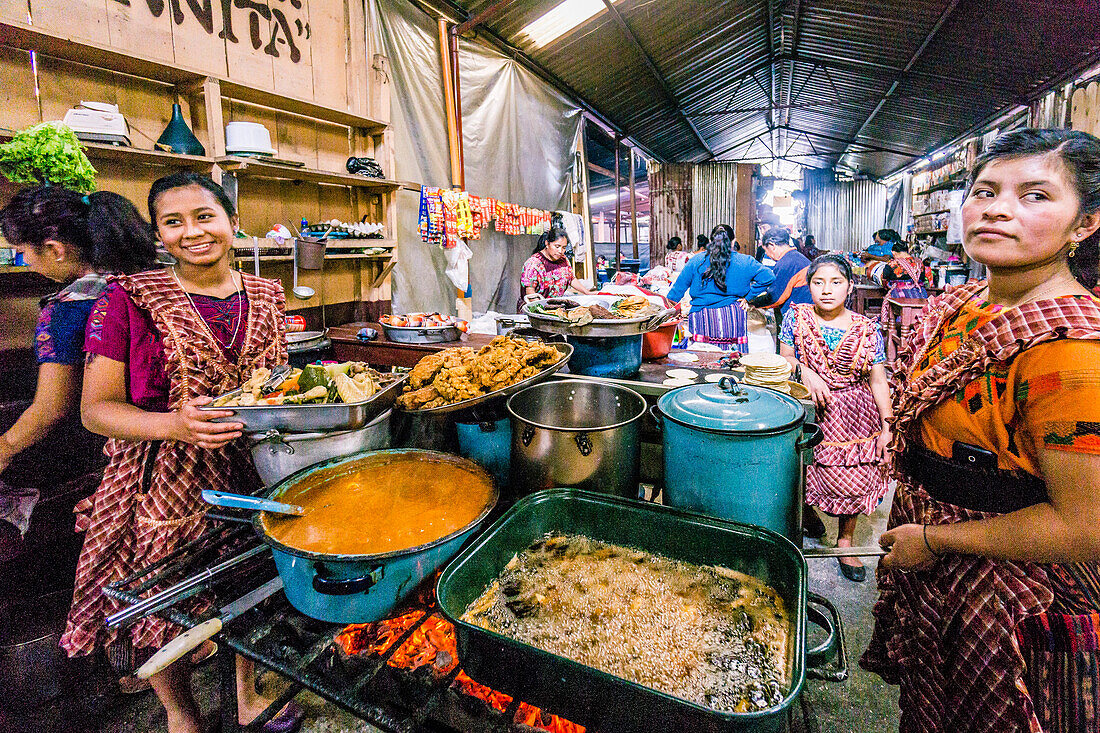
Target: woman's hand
[194, 426]
[882, 445]
[819, 390]
[908, 550]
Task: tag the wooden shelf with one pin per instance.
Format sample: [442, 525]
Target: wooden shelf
[25, 37]
[931, 231]
[16, 270]
[930, 213]
[245, 258]
[262, 169]
[139, 156]
[950, 183]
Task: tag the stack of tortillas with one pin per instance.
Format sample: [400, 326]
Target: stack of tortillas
[767, 370]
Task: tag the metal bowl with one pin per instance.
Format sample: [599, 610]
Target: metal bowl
[599, 326]
[314, 418]
[422, 334]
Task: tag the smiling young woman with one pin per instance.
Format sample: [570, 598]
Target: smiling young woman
[159, 345]
[991, 589]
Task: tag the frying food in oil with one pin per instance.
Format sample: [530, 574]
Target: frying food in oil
[709, 635]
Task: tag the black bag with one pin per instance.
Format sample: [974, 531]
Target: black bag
[365, 167]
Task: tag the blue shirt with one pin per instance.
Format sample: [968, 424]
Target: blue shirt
[886, 249]
[790, 272]
[745, 278]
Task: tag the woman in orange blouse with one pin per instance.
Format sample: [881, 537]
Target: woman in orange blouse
[988, 615]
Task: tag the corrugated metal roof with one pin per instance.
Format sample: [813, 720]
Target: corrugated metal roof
[831, 61]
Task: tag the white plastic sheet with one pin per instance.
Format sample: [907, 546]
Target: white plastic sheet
[518, 135]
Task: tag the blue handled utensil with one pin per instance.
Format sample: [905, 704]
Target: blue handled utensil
[255, 503]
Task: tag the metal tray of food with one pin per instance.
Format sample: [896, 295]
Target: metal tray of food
[422, 334]
[589, 696]
[315, 418]
[600, 327]
[566, 351]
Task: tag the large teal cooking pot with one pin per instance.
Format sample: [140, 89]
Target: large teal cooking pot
[363, 588]
[735, 451]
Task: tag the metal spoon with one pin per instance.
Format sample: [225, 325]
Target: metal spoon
[301, 292]
[242, 501]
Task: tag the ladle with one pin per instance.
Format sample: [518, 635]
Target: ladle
[242, 501]
[301, 292]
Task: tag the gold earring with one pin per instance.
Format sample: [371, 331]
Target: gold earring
[1073, 247]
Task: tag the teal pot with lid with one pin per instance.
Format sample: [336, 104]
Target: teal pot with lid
[735, 451]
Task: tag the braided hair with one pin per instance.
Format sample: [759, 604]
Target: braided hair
[719, 250]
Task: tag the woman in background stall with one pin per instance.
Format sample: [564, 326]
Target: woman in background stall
[841, 360]
[77, 241]
[990, 593]
[547, 273]
[719, 280]
[905, 276]
[159, 345]
[676, 257]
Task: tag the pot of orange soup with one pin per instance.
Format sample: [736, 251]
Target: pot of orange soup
[376, 524]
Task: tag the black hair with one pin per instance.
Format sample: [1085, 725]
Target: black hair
[718, 255]
[675, 243]
[701, 241]
[809, 241]
[105, 229]
[888, 235]
[830, 259]
[899, 247]
[776, 237]
[552, 234]
[1080, 154]
[736, 246]
[188, 178]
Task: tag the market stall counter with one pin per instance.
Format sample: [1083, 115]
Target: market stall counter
[382, 352]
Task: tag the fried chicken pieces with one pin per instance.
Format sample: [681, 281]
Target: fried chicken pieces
[454, 375]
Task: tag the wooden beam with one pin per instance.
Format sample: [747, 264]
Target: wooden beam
[486, 14]
[633, 208]
[618, 211]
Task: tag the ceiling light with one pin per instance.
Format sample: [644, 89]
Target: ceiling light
[603, 198]
[560, 20]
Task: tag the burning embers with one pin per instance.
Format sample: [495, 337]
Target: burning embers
[432, 645]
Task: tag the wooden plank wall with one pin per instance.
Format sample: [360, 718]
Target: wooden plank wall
[669, 207]
[322, 59]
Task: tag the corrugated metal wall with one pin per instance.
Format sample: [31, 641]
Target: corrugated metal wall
[844, 215]
[670, 207]
[713, 195]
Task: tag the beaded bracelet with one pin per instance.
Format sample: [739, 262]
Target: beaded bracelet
[924, 533]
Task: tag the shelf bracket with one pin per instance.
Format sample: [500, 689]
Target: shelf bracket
[382, 275]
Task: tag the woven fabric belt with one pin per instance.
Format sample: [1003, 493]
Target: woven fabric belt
[954, 482]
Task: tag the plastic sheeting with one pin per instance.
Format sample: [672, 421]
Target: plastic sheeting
[518, 137]
[844, 215]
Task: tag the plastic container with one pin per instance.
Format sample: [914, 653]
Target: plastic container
[657, 344]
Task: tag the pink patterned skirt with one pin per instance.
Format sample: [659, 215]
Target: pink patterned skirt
[846, 477]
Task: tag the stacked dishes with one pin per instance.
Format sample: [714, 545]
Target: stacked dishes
[767, 370]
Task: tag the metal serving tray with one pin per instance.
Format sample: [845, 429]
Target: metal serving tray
[586, 695]
[566, 351]
[314, 418]
[600, 327]
[422, 334]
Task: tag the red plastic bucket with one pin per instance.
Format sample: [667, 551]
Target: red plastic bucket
[656, 344]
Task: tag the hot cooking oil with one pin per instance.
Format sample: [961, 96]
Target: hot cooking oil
[709, 635]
